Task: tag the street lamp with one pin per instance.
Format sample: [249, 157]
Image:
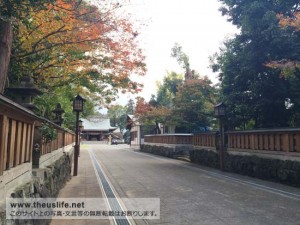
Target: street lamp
[220, 111]
[77, 107]
[78, 104]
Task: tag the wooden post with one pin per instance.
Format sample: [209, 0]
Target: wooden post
[11, 144]
[3, 143]
[266, 142]
[252, 141]
[285, 142]
[261, 141]
[272, 142]
[298, 142]
[277, 142]
[24, 137]
[31, 142]
[27, 143]
[292, 142]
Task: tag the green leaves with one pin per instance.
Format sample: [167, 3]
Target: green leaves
[64, 43]
[117, 116]
[168, 89]
[180, 56]
[194, 103]
[48, 133]
[254, 93]
[189, 108]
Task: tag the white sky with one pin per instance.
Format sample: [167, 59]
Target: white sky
[194, 24]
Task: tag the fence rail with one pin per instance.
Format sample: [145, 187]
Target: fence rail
[16, 142]
[169, 138]
[63, 138]
[19, 132]
[205, 139]
[281, 140]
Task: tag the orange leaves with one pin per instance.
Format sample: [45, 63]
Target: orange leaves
[290, 21]
[147, 113]
[72, 36]
[142, 106]
[287, 66]
[159, 112]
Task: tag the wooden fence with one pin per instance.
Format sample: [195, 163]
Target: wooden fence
[16, 141]
[205, 139]
[280, 140]
[19, 132]
[63, 138]
[273, 140]
[169, 138]
[202, 139]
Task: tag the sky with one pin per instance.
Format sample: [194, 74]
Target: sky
[195, 25]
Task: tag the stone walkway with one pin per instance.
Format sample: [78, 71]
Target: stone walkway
[85, 185]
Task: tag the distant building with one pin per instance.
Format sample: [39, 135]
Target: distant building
[96, 128]
[138, 131]
[135, 130]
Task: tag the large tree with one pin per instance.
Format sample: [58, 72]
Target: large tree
[182, 102]
[290, 66]
[69, 47]
[193, 105]
[10, 13]
[117, 116]
[184, 61]
[5, 46]
[130, 107]
[167, 90]
[255, 94]
[148, 113]
[73, 42]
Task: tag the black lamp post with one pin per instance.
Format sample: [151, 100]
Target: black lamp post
[80, 127]
[58, 111]
[77, 107]
[220, 113]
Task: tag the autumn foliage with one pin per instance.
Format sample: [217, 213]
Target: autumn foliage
[72, 42]
[287, 66]
[147, 113]
[293, 21]
[190, 109]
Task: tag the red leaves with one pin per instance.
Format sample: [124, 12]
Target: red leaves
[80, 37]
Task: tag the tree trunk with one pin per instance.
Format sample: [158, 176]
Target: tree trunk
[5, 51]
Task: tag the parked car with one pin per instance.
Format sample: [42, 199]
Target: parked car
[114, 141]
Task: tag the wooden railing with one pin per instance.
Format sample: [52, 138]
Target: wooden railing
[202, 139]
[169, 138]
[63, 138]
[205, 139]
[19, 133]
[282, 140]
[16, 141]
[279, 140]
